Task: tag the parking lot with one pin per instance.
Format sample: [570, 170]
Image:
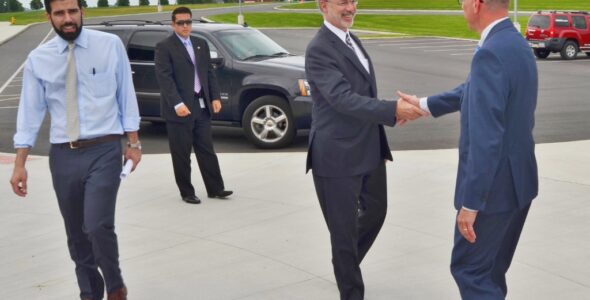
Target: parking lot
[418, 65]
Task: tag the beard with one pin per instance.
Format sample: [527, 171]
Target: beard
[68, 36]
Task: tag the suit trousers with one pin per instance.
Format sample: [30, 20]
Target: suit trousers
[479, 269]
[354, 209]
[196, 135]
[86, 182]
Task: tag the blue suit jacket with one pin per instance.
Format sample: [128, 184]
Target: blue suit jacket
[497, 165]
[347, 136]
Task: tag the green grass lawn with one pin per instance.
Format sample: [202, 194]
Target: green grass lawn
[28, 17]
[531, 5]
[450, 26]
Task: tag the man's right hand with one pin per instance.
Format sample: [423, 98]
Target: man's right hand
[183, 111]
[19, 181]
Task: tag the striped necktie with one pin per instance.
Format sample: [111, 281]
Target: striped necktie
[349, 41]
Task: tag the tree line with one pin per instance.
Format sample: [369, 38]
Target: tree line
[15, 5]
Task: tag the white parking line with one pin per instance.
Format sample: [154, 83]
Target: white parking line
[8, 107]
[13, 95]
[9, 99]
[436, 46]
[402, 40]
[452, 49]
[441, 42]
[21, 66]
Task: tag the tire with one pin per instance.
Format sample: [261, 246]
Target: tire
[569, 50]
[268, 122]
[542, 53]
[587, 53]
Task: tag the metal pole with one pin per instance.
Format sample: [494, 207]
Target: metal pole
[516, 24]
[240, 16]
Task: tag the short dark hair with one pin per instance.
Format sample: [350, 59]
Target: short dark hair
[178, 10]
[47, 4]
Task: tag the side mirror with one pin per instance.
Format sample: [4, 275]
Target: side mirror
[217, 62]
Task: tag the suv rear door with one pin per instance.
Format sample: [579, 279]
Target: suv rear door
[141, 51]
[537, 26]
[581, 25]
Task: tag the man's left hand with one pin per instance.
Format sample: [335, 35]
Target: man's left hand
[134, 154]
[216, 104]
[465, 221]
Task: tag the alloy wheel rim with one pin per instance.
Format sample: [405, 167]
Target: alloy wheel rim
[269, 123]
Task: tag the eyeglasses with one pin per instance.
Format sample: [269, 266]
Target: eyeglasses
[346, 2]
[183, 22]
[461, 2]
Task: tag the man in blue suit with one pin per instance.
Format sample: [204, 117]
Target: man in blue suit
[347, 143]
[497, 175]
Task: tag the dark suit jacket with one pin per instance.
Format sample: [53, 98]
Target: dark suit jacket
[497, 165]
[347, 136]
[176, 76]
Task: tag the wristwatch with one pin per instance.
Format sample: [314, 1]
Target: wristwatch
[136, 145]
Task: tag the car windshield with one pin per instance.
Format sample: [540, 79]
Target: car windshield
[250, 44]
[539, 21]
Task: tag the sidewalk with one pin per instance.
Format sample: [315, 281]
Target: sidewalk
[270, 240]
[8, 31]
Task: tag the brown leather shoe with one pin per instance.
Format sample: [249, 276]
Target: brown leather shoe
[118, 294]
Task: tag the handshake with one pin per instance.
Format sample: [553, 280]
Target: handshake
[408, 109]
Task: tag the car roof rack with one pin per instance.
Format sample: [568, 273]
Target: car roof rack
[129, 22]
[200, 20]
[564, 12]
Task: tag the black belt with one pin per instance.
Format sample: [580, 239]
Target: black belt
[90, 142]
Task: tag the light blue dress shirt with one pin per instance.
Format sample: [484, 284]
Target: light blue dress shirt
[106, 96]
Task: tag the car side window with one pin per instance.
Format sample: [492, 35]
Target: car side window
[212, 49]
[562, 21]
[143, 44]
[579, 22]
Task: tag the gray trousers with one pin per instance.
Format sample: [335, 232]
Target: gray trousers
[86, 182]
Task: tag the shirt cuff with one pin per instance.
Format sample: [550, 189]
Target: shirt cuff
[179, 105]
[424, 104]
[469, 209]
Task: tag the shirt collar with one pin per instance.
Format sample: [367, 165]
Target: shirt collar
[337, 31]
[80, 41]
[183, 40]
[486, 31]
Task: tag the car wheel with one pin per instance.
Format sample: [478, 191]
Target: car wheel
[587, 53]
[268, 122]
[542, 53]
[569, 50]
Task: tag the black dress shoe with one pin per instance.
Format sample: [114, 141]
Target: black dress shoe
[221, 195]
[191, 199]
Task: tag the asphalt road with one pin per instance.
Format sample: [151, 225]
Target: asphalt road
[420, 66]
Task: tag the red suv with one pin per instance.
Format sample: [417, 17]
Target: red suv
[565, 32]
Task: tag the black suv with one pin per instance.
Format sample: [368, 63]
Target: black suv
[263, 86]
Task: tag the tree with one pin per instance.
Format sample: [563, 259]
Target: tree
[102, 3]
[164, 2]
[36, 4]
[10, 5]
[144, 2]
[122, 2]
[84, 4]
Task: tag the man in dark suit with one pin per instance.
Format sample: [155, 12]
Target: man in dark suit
[347, 143]
[189, 95]
[497, 177]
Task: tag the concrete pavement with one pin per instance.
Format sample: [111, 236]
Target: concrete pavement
[8, 31]
[269, 241]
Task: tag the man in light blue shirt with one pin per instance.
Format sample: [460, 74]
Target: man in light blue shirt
[83, 78]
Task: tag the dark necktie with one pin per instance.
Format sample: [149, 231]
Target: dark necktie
[349, 41]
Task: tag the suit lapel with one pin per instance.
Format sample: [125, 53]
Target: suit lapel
[180, 47]
[346, 51]
[371, 70]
